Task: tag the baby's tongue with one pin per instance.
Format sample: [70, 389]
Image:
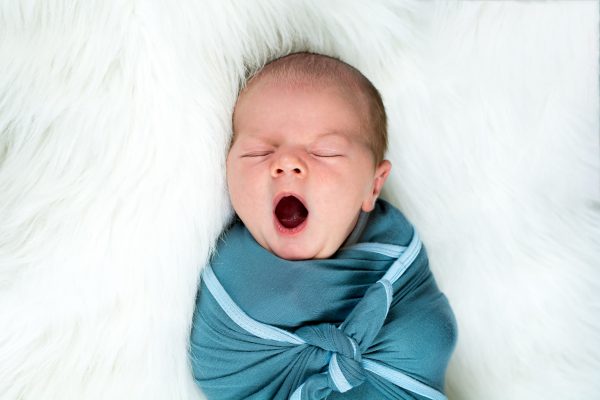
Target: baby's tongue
[290, 212]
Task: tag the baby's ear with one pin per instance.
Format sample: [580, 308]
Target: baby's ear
[381, 173]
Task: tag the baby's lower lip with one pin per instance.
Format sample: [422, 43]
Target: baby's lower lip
[282, 230]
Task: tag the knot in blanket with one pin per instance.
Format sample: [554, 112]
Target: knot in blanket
[345, 371]
[367, 323]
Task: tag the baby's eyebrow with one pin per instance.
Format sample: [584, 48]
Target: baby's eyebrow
[332, 134]
[249, 140]
[247, 136]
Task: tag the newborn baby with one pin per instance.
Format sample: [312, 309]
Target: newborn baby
[318, 290]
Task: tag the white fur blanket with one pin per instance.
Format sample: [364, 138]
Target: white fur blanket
[114, 120]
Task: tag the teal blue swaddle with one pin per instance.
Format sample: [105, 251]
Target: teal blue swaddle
[367, 323]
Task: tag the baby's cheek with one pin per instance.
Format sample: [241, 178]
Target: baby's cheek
[255, 190]
[350, 184]
[239, 190]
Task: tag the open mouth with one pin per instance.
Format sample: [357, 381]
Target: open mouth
[290, 212]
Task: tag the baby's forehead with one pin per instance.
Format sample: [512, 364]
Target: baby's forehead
[288, 88]
[274, 83]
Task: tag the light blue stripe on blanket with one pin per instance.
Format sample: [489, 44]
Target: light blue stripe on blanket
[389, 250]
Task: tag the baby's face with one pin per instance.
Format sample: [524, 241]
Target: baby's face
[306, 145]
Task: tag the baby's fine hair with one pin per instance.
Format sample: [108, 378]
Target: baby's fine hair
[318, 68]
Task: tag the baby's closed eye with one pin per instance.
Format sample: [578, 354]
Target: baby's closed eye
[329, 147]
[256, 154]
[326, 153]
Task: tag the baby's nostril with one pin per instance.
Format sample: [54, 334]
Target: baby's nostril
[297, 170]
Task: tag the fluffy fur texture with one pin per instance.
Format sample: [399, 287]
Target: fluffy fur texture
[115, 119]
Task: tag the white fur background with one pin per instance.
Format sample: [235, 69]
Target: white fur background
[114, 121]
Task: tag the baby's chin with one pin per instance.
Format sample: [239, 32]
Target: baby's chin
[297, 252]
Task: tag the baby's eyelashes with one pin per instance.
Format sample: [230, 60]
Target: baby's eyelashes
[256, 154]
[326, 153]
[321, 153]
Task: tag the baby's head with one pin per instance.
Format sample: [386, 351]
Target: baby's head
[309, 136]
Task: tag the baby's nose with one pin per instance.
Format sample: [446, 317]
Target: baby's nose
[288, 163]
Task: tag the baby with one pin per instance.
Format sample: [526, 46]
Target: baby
[319, 290]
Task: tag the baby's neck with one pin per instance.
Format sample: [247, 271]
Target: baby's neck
[357, 230]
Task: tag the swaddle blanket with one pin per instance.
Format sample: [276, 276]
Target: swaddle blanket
[368, 323]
